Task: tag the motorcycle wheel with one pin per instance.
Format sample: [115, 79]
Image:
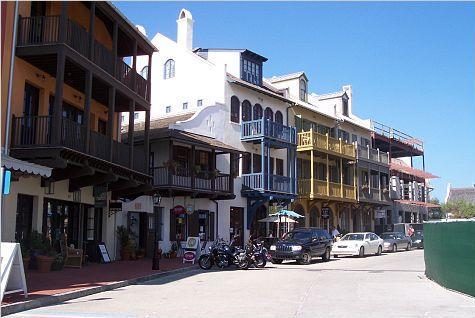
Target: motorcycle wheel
[205, 262]
[244, 264]
[261, 261]
[222, 261]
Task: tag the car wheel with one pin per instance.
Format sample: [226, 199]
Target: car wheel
[361, 254]
[380, 250]
[335, 256]
[408, 248]
[305, 259]
[394, 248]
[326, 255]
[276, 261]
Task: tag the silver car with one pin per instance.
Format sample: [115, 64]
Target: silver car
[394, 241]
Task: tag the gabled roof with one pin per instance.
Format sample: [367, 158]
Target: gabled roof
[275, 79]
[264, 90]
[329, 95]
[462, 194]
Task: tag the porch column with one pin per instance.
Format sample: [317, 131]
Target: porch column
[134, 65]
[328, 175]
[63, 20]
[147, 140]
[213, 166]
[92, 15]
[341, 176]
[192, 165]
[110, 120]
[149, 78]
[170, 159]
[131, 132]
[268, 166]
[263, 149]
[87, 108]
[115, 32]
[312, 175]
[58, 98]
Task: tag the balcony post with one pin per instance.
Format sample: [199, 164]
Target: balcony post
[58, 100]
[147, 139]
[355, 181]
[170, 159]
[131, 132]
[115, 32]
[92, 15]
[312, 176]
[63, 21]
[341, 175]
[341, 145]
[87, 108]
[149, 78]
[328, 174]
[379, 156]
[134, 66]
[328, 141]
[368, 149]
[263, 149]
[269, 172]
[192, 166]
[213, 165]
[110, 119]
[379, 186]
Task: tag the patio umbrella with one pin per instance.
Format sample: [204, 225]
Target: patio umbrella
[275, 219]
[287, 213]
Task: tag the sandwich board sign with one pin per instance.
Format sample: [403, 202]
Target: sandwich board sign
[192, 244]
[104, 253]
[13, 274]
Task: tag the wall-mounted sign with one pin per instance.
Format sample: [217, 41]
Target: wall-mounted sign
[6, 181]
[189, 209]
[114, 207]
[100, 196]
[380, 214]
[178, 209]
[326, 212]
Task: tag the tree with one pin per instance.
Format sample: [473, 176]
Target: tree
[436, 213]
[459, 209]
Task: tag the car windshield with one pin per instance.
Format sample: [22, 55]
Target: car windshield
[298, 235]
[353, 237]
[387, 236]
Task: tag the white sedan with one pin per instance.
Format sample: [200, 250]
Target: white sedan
[361, 244]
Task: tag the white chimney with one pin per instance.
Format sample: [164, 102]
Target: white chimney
[185, 29]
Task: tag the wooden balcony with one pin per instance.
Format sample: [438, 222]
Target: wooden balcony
[326, 190]
[374, 195]
[311, 140]
[185, 182]
[256, 130]
[373, 155]
[34, 132]
[43, 32]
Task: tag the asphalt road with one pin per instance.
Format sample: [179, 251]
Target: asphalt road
[391, 285]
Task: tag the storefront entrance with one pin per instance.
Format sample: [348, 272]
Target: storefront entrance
[24, 217]
[92, 232]
[236, 223]
[61, 223]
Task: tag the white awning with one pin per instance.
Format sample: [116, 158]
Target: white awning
[25, 166]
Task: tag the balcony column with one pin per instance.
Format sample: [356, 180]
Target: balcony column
[341, 175]
[147, 139]
[213, 166]
[87, 108]
[269, 172]
[328, 173]
[192, 165]
[134, 65]
[312, 176]
[63, 20]
[110, 120]
[115, 33]
[379, 186]
[149, 78]
[263, 149]
[92, 15]
[58, 100]
[131, 132]
[170, 159]
[355, 181]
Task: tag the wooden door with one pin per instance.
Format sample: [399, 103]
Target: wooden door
[24, 216]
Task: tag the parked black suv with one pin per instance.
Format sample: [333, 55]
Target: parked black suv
[302, 245]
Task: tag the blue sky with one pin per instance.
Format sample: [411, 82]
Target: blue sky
[411, 65]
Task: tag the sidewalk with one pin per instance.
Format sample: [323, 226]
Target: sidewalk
[69, 283]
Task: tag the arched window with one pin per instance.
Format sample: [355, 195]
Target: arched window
[269, 114]
[235, 109]
[144, 72]
[257, 112]
[246, 111]
[314, 217]
[278, 117]
[303, 90]
[169, 69]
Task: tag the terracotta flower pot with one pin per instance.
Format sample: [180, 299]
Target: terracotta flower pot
[126, 254]
[44, 263]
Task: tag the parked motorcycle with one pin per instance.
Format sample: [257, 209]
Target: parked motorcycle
[223, 255]
[256, 253]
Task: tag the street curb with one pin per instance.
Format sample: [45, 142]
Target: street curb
[59, 298]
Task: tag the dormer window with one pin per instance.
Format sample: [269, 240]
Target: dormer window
[251, 71]
[345, 106]
[303, 90]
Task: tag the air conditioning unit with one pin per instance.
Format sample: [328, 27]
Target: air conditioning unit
[396, 190]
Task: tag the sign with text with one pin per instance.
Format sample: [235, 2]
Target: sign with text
[179, 209]
[100, 196]
[326, 212]
[104, 253]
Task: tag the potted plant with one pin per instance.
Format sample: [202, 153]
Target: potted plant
[58, 263]
[46, 257]
[197, 170]
[214, 173]
[124, 239]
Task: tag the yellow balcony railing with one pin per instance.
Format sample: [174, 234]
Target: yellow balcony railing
[308, 140]
[321, 188]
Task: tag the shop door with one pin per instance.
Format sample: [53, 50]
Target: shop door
[24, 216]
[92, 232]
[236, 223]
[61, 223]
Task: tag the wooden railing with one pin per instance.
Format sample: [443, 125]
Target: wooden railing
[310, 139]
[266, 128]
[264, 182]
[36, 131]
[182, 178]
[326, 189]
[43, 30]
[373, 194]
[373, 154]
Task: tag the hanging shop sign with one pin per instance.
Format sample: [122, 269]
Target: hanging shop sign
[380, 214]
[179, 209]
[325, 212]
[189, 209]
[114, 207]
[100, 196]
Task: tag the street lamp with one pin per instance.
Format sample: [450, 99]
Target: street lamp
[156, 260]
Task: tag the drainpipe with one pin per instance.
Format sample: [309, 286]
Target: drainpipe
[217, 223]
[10, 83]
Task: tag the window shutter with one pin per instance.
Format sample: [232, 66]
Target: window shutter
[194, 224]
[211, 226]
[172, 226]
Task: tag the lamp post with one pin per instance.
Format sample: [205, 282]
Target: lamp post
[156, 260]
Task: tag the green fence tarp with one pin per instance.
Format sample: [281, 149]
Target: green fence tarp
[450, 254]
